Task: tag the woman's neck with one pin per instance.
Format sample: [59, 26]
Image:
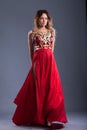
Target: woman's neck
[43, 29]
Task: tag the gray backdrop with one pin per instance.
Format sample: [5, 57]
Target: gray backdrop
[69, 17]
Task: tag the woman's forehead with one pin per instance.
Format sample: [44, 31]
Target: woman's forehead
[44, 15]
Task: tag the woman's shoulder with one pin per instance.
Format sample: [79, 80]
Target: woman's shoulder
[53, 31]
[30, 32]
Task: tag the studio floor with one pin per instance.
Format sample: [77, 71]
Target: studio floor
[76, 122]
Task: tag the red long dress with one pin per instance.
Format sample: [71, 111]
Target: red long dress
[41, 98]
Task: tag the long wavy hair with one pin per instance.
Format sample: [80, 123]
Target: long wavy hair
[37, 17]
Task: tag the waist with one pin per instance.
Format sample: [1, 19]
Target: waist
[42, 47]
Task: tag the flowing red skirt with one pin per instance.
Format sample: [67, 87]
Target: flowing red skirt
[41, 98]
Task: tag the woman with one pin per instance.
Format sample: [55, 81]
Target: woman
[41, 100]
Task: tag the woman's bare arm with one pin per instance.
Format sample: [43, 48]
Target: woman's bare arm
[54, 35]
[30, 45]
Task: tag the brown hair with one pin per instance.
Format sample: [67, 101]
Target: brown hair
[37, 17]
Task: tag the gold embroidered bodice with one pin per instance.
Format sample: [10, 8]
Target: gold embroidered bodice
[42, 40]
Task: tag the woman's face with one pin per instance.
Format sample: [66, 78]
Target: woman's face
[43, 20]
